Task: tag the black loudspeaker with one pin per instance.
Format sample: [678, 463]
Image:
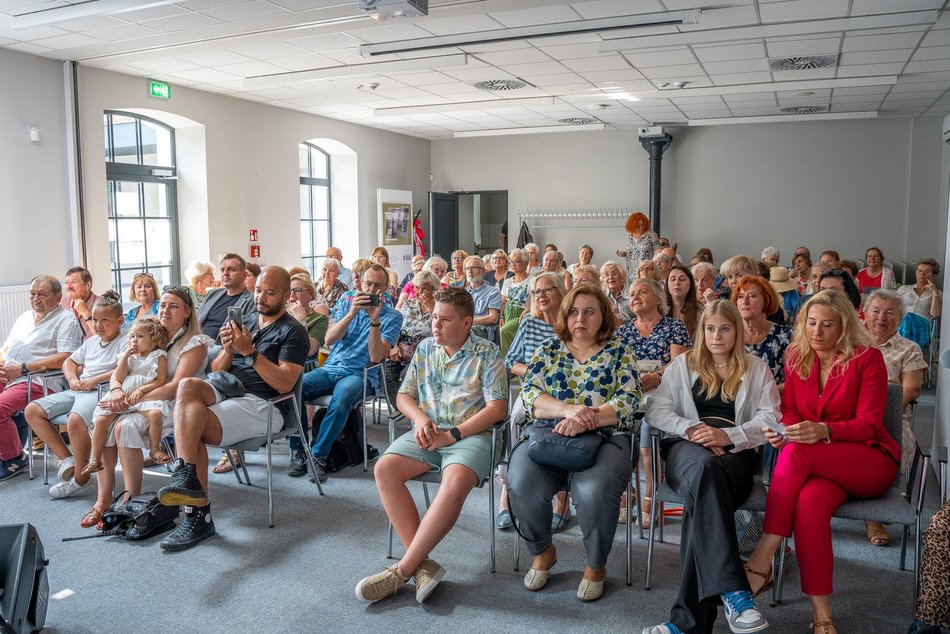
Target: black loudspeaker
[24, 594]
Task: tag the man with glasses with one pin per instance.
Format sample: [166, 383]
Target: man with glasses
[41, 339]
[487, 299]
[78, 297]
[214, 309]
[362, 333]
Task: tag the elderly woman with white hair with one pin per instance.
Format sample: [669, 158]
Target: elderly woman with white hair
[330, 288]
[614, 280]
[663, 265]
[657, 339]
[514, 295]
[705, 274]
[770, 256]
[200, 277]
[883, 312]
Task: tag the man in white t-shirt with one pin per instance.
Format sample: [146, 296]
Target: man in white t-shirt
[41, 339]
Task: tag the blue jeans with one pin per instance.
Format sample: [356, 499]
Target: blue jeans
[347, 391]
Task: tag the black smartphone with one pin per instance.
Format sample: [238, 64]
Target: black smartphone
[236, 315]
[373, 299]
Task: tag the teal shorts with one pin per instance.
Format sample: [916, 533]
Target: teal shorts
[473, 452]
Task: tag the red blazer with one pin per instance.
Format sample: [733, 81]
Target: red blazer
[852, 403]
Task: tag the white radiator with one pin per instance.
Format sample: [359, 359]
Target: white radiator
[14, 301]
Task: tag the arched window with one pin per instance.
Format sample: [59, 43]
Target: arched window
[315, 209]
[142, 198]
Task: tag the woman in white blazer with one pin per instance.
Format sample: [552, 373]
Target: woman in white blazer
[712, 404]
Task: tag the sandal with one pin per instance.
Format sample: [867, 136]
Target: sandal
[224, 465]
[824, 625]
[646, 516]
[877, 534]
[159, 456]
[766, 585]
[92, 518]
[92, 466]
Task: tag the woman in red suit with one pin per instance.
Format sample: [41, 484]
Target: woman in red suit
[835, 445]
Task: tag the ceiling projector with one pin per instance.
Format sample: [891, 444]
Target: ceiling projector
[384, 9]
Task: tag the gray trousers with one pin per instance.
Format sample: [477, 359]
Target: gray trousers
[596, 493]
[713, 487]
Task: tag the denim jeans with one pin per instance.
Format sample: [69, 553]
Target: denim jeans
[347, 391]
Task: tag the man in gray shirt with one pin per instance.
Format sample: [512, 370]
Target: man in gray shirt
[41, 339]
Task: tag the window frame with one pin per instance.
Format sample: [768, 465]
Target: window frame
[309, 262]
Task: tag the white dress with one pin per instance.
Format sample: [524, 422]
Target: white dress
[142, 370]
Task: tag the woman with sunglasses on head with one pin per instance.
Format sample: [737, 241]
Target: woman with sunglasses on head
[144, 291]
[187, 351]
[840, 280]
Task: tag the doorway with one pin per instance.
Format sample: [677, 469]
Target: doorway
[470, 221]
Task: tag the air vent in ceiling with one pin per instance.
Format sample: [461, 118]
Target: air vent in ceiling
[808, 62]
[500, 84]
[803, 109]
[579, 120]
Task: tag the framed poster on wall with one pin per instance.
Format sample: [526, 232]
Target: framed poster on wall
[394, 227]
[395, 220]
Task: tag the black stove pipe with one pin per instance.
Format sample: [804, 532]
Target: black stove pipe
[655, 147]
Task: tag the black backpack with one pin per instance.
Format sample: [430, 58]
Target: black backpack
[139, 517]
[347, 449]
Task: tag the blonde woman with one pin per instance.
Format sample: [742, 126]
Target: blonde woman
[712, 405]
[456, 276]
[380, 256]
[200, 276]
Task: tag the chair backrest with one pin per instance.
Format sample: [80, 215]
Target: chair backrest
[297, 403]
[894, 413]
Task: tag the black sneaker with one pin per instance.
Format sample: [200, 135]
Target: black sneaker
[14, 466]
[322, 471]
[184, 489]
[194, 528]
[298, 464]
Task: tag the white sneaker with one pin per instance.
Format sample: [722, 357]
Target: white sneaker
[66, 469]
[65, 489]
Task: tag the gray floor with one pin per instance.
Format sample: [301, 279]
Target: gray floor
[299, 576]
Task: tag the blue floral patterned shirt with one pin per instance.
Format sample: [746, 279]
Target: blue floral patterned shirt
[450, 390]
[772, 350]
[657, 346]
[609, 378]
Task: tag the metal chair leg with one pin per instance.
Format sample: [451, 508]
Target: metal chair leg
[389, 553]
[310, 464]
[425, 492]
[270, 474]
[46, 462]
[365, 441]
[629, 537]
[29, 452]
[780, 579]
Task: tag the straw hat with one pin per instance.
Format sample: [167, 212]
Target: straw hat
[778, 278]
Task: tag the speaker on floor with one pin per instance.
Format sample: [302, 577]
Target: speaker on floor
[24, 594]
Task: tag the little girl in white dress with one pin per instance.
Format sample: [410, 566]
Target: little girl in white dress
[141, 369]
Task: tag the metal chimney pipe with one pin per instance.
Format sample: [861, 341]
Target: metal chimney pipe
[655, 147]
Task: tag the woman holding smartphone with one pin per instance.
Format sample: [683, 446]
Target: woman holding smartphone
[712, 405]
[836, 445]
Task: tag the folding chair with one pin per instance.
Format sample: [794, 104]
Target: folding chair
[498, 437]
[291, 427]
[44, 377]
[896, 506]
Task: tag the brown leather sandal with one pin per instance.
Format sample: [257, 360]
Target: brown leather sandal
[159, 456]
[92, 466]
[224, 465]
[824, 625]
[766, 585]
[877, 534]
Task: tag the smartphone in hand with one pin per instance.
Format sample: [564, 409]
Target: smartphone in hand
[236, 315]
[778, 428]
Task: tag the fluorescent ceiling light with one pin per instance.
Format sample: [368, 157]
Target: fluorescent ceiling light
[529, 32]
[39, 16]
[778, 86]
[535, 130]
[357, 70]
[771, 30]
[489, 104]
[831, 116]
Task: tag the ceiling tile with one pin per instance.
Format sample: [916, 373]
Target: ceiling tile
[214, 58]
[201, 5]
[858, 43]
[605, 62]
[427, 79]
[245, 11]
[518, 56]
[35, 33]
[123, 32]
[570, 51]
[538, 15]
[674, 72]
[205, 75]
[913, 78]
[931, 52]
[853, 99]
[740, 78]
[70, 40]
[750, 97]
[862, 90]
[493, 47]
[731, 16]
[868, 7]
[91, 23]
[731, 52]
[737, 66]
[307, 61]
[871, 70]
[182, 22]
[920, 88]
[667, 57]
[267, 50]
[876, 57]
[795, 10]
[929, 66]
[799, 75]
[151, 13]
[695, 101]
[613, 76]
[327, 42]
[541, 68]
[165, 64]
[251, 69]
[791, 48]
[349, 56]
[611, 8]
[451, 26]
[393, 32]
[478, 74]
[559, 79]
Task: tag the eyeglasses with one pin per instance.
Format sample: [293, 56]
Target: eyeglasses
[474, 268]
[297, 289]
[180, 292]
[143, 274]
[547, 290]
[375, 284]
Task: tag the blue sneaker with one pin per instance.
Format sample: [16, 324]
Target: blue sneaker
[14, 467]
[663, 628]
[741, 613]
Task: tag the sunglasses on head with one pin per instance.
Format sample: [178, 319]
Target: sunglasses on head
[143, 274]
[180, 292]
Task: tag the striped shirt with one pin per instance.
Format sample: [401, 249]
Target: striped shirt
[532, 332]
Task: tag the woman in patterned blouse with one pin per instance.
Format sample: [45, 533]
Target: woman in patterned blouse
[456, 277]
[642, 243]
[583, 380]
[653, 336]
[514, 297]
[755, 298]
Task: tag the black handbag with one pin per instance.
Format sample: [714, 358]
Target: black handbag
[139, 517]
[567, 453]
[226, 383]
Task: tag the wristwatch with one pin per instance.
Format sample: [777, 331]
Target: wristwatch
[24, 370]
[456, 434]
[251, 358]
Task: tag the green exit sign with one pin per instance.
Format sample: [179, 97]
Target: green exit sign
[159, 89]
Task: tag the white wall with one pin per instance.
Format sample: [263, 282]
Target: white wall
[34, 196]
[735, 189]
[251, 165]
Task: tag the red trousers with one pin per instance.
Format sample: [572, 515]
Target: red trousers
[13, 400]
[809, 483]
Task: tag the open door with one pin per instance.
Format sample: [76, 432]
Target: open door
[443, 224]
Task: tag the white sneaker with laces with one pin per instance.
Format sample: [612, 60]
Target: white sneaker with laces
[66, 469]
[65, 489]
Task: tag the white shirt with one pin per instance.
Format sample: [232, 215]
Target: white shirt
[58, 332]
[913, 303]
[671, 408]
[97, 359]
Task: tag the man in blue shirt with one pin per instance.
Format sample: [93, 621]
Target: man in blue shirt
[362, 333]
[487, 299]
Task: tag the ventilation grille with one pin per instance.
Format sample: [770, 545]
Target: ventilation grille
[500, 84]
[808, 62]
[579, 120]
[803, 109]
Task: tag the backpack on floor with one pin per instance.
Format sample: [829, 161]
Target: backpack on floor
[139, 517]
[347, 449]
